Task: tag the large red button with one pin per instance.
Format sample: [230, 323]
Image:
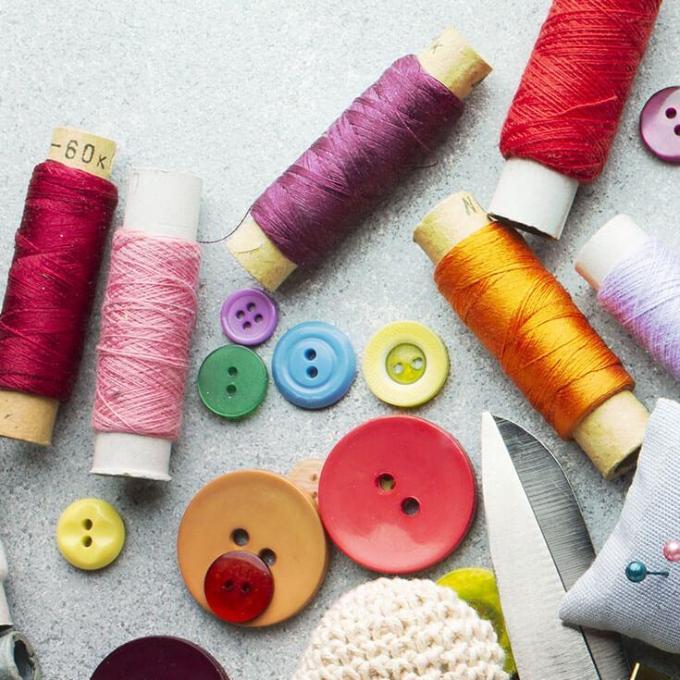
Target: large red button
[397, 494]
[238, 586]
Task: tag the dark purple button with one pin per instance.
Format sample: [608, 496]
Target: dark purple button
[249, 316]
[159, 658]
[660, 124]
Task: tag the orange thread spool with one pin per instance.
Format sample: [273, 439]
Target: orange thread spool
[524, 317]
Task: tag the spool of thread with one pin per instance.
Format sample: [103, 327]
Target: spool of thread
[526, 319]
[637, 280]
[385, 132]
[148, 316]
[51, 283]
[564, 116]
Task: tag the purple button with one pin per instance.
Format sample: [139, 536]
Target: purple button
[159, 658]
[249, 317]
[660, 124]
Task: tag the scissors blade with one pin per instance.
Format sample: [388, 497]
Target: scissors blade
[528, 581]
[559, 516]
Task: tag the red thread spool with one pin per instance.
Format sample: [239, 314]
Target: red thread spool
[52, 281]
[564, 116]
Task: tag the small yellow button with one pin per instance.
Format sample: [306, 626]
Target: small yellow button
[405, 364]
[90, 534]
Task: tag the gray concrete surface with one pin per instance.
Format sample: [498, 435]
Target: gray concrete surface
[233, 91]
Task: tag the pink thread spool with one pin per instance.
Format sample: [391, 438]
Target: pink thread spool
[162, 205]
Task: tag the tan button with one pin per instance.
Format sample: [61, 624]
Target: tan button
[265, 514]
[305, 475]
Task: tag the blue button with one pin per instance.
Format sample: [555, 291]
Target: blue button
[314, 364]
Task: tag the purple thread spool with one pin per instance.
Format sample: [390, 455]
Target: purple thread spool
[385, 132]
[637, 280]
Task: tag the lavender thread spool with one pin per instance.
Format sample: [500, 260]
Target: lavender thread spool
[384, 133]
[637, 280]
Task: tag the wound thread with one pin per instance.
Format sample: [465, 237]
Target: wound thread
[642, 292]
[385, 132]
[569, 101]
[52, 280]
[148, 316]
[528, 321]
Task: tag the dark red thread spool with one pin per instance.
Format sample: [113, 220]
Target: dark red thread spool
[51, 283]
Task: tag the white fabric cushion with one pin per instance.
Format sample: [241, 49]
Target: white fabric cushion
[603, 597]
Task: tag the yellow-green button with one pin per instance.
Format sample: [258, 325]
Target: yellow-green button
[90, 534]
[405, 364]
[478, 588]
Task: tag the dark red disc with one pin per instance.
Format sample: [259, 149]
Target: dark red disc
[397, 494]
[238, 586]
[159, 658]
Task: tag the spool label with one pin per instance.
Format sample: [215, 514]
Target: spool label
[83, 150]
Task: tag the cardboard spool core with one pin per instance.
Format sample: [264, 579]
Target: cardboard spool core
[30, 417]
[532, 197]
[611, 434]
[617, 240]
[449, 59]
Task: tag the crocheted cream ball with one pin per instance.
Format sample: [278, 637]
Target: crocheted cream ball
[401, 629]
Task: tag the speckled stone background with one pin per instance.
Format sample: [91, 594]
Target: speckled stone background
[234, 91]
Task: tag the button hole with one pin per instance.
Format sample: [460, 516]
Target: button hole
[228, 585]
[268, 557]
[676, 129]
[312, 371]
[671, 112]
[258, 318]
[410, 506]
[417, 363]
[245, 588]
[310, 354]
[250, 306]
[240, 314]
[231, 389]
[87, 524]
[87, 541]
[232, 370]
[398, 368]
[385, 482]
[247, 325]
[240, 536]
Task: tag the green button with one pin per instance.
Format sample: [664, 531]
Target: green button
[232, 381]
[405, 364]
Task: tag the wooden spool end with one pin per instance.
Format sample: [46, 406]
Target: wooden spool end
[29, 417]
[454, 63]
[611, 434]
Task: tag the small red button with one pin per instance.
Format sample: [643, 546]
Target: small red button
[397, 494]
[238, 587]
